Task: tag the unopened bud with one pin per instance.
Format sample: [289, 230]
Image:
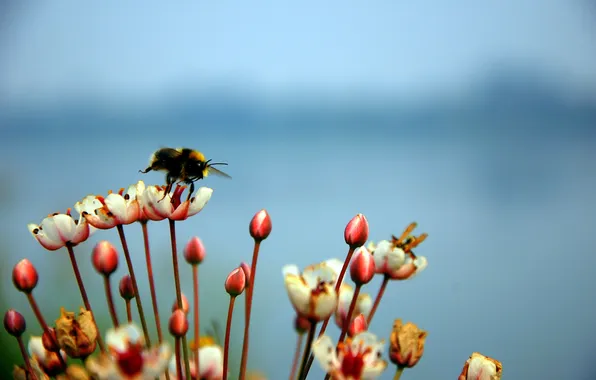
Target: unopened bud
[358, 325]
[301, 324]
[50, 340]
[260, 226]
[236, 282]
[247, 271]
[14, 323]
[356, 232]
[24, 276]
[362, 267]
[127, 291]
[178, 325]
[105, 258]
[185, 305]
[194, 252]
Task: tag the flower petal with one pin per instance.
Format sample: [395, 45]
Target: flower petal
[299, 294]
[210, 362]
[323, 350]
[119, 338]
[290, 269]
[324, 302]
[156, 361]
[49, 242]
[200, 200]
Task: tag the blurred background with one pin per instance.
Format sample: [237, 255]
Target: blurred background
[475, 119]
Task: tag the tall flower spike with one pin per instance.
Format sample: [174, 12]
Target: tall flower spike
[57, 230]
[356, 358]
[480, 367]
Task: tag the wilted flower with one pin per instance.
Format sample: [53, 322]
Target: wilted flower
[356, 358]
[407, 344]
[480, 367]
[128, 357]
[363, 305]
[77, 335]
[312, 293]
[57, 230]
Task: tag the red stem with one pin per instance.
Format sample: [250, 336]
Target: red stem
[26, 358]
[178, 361]
[309, 340]
[378, 299]
[178, 291]
[227, 338]
[195, 276]
[108, 290]
[134, 283]
[151, 281]
[45, 327]
[248, 309]
[128, 311]
[346, 324]
[77, 274]
[300, 338]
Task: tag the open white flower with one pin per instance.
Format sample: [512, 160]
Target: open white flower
[363, 305]
[392, 261]
[210, 363]
[356, 358]
[128, 358]
[480, 367]
[57, 230]
[157, 205]
[115, 209]
[312, 293]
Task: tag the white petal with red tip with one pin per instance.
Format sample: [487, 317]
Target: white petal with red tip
[299, 294]
[49, 242]
[154, 203]
[480, 368]
[325, 303]
[387, 257]
[200, 200]
[119, 338]
[323, 350]
[210, 362]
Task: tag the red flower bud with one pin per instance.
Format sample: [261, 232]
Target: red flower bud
[126, 289]
[260, 225]
[178, 325]
[50, 340]
[24, 276]
[301, 324]
[247, 271]
[194, 252]
[358, 325]
[185, 305]
[14, 323]
[236, 282]
[105, 258]
[362, 267]
[356, 232]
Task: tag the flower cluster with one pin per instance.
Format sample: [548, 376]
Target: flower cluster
[319, 293]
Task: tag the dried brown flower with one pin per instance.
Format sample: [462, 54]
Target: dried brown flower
[407, 344]
[77, 335]
[481, 367]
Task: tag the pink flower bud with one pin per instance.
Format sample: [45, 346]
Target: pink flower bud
[247, 271]
[50, 340]
[24, 276]
[301, 324]
[126, 289]
[14, 323]
[356, 232]
[178, 325]
[105, 258]
[185, 305]
[260, 225]
[362, 267]
[194, 252]
[358, 325]
[236, 282]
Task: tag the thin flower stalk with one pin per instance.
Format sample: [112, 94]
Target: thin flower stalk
[77, 274]
[307, 348]
[378, 298]
[110, 299]
[399, 370]
[151, 280]
[178, 290]
[346, 324]
[44, 325]
[120, 229]
[299, 341]
[195, 279]
[227, 338]
[128, 311]
[248, 309]
[26, 358]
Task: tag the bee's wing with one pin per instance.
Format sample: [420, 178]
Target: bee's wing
[217, 172]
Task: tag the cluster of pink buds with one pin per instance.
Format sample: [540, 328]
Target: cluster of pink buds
[331, 290]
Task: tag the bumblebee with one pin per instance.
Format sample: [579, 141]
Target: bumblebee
[183, 165]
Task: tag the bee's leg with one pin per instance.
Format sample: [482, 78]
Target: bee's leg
[169, 181]
[191, 190]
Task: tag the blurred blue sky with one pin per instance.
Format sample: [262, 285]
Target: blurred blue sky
[476, 120]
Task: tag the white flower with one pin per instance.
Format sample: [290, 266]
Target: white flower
[480, 367]
[57, 230]
[393, 262]
[115, 209]
[312, 293]
[210, 363]
[48, 361]
[157, 205]
[128, 358]
[356, 358]
[363, 305]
